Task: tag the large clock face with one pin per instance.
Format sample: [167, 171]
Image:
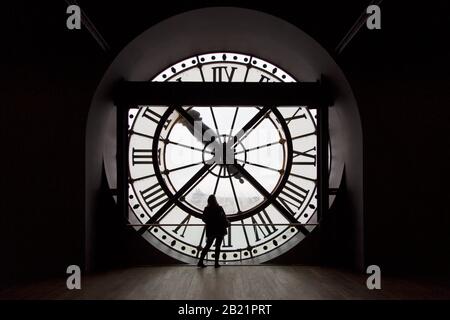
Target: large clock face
[260, 163]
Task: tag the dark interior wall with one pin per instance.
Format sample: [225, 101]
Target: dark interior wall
[117, 245]
[47, 83]
[400, 76]
[401, 79]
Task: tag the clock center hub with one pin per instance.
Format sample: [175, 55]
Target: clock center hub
[224, 152]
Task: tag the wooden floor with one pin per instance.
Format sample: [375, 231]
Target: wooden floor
[229, 282]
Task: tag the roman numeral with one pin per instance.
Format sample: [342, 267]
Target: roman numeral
[227, 239]
[266, 230]
[293, 195]
[264, 79]
[151, 115]
[154, 196]
[310, 154]
[155, 117]
[304, 135]
[141, 156]
[221, 73]
[296, 116]
[185, 221]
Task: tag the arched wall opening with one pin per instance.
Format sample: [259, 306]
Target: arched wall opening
[210, 30]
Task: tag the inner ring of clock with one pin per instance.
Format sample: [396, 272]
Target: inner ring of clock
[263, 151]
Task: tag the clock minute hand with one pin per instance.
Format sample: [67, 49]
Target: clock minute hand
[189, 118]
[248, 127]
[266, 194]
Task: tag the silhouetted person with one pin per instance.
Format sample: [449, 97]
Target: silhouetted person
[216, 228]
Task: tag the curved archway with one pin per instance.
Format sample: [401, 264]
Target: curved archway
[209, 30]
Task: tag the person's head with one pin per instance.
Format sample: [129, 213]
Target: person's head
[212, 201]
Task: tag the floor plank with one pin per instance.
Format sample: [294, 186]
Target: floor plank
[229, 282]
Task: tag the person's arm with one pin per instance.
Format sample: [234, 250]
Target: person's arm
[227, 222]
[205, 215]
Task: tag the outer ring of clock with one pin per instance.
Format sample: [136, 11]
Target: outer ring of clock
[208, 30]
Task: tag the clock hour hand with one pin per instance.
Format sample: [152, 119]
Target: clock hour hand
[188, 119]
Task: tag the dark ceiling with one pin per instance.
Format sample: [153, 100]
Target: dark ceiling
[326, 21]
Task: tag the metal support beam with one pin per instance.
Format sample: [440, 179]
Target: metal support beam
[122, 160]
[90, 27]
[356, 27]
[221, 93]
[232, 225]
[322, 159]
